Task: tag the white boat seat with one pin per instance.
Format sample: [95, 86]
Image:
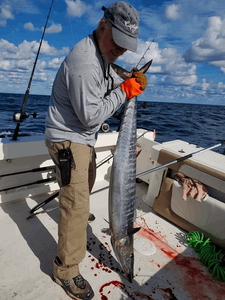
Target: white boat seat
[206, 216]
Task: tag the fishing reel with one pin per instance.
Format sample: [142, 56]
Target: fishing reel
[104, 127]
[20, 117]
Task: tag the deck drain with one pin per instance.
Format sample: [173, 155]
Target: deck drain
[144, 246]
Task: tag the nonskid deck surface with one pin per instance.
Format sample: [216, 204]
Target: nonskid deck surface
[165, 267]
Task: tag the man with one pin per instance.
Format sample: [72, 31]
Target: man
[85, 93]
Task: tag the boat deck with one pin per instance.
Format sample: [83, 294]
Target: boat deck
[165, 266]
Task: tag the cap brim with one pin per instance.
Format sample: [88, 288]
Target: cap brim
[123, 40]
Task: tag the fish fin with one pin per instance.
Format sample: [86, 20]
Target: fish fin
[133, 231]
[106, 231]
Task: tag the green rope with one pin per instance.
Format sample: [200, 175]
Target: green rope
[208, 254]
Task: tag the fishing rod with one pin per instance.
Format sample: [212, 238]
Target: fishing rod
[29, 171]
[180, 159]
[143, 56]
[28, 184]
[20, 117]
[41, 205]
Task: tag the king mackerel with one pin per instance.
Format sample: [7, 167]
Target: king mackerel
[122, 184]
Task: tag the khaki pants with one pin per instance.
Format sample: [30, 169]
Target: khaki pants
[74, 207]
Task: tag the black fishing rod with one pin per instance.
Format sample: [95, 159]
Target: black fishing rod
[29, 171]
[28, 184]
[20, 117]
[180, 159]
[32, 214]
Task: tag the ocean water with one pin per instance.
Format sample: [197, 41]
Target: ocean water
[202, 125]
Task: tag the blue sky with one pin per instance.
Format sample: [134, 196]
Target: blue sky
[188, 52]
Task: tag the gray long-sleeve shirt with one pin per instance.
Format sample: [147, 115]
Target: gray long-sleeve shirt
[86, 92]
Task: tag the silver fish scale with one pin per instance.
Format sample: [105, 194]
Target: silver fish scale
[122, 187]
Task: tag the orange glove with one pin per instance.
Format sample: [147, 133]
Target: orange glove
[140, 78]
[131, 87]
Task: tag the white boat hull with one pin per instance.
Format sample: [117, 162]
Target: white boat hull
[165, 267]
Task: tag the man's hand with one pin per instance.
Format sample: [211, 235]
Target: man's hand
[140, 78]
[131, 87]
[135, 85]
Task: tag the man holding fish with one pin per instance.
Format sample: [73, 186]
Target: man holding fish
[85, 93]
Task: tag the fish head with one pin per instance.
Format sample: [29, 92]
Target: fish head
[123, 249]
[124, 74]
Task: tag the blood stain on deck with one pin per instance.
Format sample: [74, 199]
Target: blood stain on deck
[186, 271]
[122, 286]
[166, 294]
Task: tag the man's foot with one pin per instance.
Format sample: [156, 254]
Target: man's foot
[91, 218]
[77, 288]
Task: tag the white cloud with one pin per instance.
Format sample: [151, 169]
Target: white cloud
[55, 63]
[28, 50]
[173, 12]
[16, 64]
[179, 80]
[203, 88]
[219, 88]
[5, 46]
[167, 62]
[5, 14]
[152, 79]
[207, 88]
[64, 50]
[76, 8]
[54, 28]
[193, 16]
[5, 64]
[211, 46]
[29, 26]
[24, 6]
[220, 64]
[40, 76]
[9, 7]
[46, 49]
[205, 85]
